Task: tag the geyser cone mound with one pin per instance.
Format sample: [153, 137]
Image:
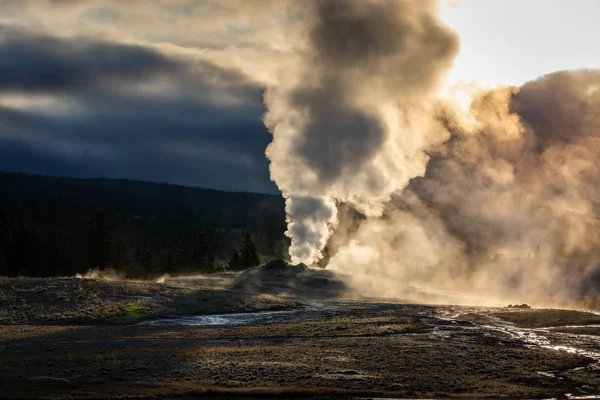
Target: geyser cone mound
[280, 277]
[280, 266]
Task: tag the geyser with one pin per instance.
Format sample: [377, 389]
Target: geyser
[351, 120]
[442, 177]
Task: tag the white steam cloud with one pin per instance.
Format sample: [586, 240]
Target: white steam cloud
[507, 206]
[396, 180]
[351, 121]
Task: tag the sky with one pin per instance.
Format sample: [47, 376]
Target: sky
[509, 42]
[172, 90]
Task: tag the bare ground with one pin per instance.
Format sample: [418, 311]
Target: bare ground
[540, 318]
[91, 301]
[580, 330]
[326, 348]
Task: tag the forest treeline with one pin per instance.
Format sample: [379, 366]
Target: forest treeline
[57, 226]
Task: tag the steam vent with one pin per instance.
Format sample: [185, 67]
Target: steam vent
[279, 277]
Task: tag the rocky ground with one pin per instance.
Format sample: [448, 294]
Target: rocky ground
[322, 348]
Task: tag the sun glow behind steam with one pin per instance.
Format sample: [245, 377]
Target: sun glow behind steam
[509, 42]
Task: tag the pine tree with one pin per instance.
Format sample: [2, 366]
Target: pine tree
[137, 257]
[209, 260]
[55, 259]
[235, 262]
[3, 243]
[167, 262]
[147, 261]
[182, 255]
[200, 252]
[100, 244]
[118, 254]
[249, 255]
[24, 255]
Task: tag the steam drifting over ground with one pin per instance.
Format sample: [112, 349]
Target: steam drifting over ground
[514, 183]
[443, 178]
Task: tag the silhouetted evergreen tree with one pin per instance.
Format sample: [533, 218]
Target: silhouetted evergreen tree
[65, 226]
[24, 255]
[3, 243]
[147, 262]
[118, 255]
[209, 260]
[183, 255]
[138, 255]
[54, 257]
[167, 262]
[100, 245]
[248, 253]
[201, 252]
[235, 263]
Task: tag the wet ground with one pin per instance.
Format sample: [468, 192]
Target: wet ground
[325, 348]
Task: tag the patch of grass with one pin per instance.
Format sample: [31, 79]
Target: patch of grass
[543, 318]
[580, 330]
[134, 311]
[91, 301]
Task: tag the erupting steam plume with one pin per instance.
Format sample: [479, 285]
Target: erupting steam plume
[351, 121]
[441, 185]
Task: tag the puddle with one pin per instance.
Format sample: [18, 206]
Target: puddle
[571, 343]
[446, 322]
[545, 338]
[581, 326]
[312, 310]
[225, 319]
[153, 297]
[546, 374]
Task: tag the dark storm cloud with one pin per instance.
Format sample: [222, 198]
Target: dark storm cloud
[146, 164]
[41, 63]
[202, 127]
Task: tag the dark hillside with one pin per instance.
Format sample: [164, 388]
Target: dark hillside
[66, 225]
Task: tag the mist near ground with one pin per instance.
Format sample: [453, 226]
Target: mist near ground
[507, 205]
[410, 181]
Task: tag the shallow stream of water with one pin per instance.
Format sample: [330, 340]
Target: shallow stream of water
[225, 319]
[448, 323]
[546, 338]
